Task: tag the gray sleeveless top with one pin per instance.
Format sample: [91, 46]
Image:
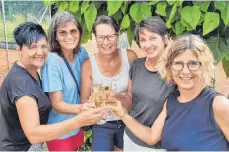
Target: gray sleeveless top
[118, 83]
[149, 93]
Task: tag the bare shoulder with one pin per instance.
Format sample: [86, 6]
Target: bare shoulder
[220, 104]
[86, 67]
[86, 64]
[131, 55]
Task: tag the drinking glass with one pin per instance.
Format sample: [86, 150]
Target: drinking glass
[98, 98]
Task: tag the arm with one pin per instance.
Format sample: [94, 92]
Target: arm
[221, 114]
[131, 56]
[60, 106]
[86, 81]
[27, 108]
[126, 99]
[149, 135]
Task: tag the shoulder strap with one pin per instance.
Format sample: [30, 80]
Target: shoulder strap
[70, 70]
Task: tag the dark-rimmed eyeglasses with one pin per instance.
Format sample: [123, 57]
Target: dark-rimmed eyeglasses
[192, 65]
[101, 38]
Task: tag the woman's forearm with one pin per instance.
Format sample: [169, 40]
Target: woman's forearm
[139, 130]
[43, 133]
[66, 108]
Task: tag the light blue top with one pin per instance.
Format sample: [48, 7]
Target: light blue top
[56, 77]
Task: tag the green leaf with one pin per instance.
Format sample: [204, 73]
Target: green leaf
[185, 24]
[98, 4]
[125, 22]
[224, 10]
[84, 6]
[179, 2]
[218, 47]
[124, 7]
[211, 22]
[191, 15]
[179, 28]
[130, 35]
[86, 36]
[74, 6]
[77, 15]
[113, 7]
[171, 2]
[172, 14]
[49, 2]
[63, 6]
[201, 19]
[203, 5]
[117, 16]
[161, 8]
[140, 11]
[153, 2]
[226, 67]
[90, 16]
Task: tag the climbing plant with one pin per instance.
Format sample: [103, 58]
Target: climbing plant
[209, 19]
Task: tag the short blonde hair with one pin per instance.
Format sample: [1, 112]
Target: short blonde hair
[181, 44]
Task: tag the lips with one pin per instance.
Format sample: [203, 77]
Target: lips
[186, 78]
[70, 42]
[39, 58]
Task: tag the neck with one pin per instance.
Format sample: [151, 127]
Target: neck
[30, 69]
[69, 55]
[150, 64]
[188, 95]
[108, 58]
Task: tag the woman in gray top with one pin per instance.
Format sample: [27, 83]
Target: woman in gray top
[146, 90]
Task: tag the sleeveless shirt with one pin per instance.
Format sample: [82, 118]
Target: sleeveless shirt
[191, 126]
[118, 83]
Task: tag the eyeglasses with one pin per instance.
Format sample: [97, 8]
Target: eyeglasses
[192, 66]
[63, 34]
[101, 38]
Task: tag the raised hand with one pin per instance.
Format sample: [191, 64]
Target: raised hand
[118, 109]
[90, 116]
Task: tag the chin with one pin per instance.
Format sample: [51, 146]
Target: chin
[187, 87]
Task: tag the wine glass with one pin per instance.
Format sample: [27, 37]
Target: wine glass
[98, 98]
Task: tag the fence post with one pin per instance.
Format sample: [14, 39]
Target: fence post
[5, 33]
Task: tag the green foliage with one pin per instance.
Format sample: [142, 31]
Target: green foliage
[90, 16]
[209, 19]
[113, 7]
[211, 22]
[161, 8]
[191, 15]
[140, 11]
[87, 141]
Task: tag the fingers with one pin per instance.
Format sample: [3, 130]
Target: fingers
[88, 105]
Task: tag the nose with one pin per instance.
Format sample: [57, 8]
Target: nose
[40, 51]
[148, 44]
[185, 69]
[105, 41]
[69, 36]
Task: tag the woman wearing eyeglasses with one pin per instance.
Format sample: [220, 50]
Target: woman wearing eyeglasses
[147, 91]
[61, 77]
[194, 117]
[109, 66]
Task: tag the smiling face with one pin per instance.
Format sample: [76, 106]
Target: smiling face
[151, 43]
[187, 79]
[34, 56]
[106, 38]
[68, 36]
